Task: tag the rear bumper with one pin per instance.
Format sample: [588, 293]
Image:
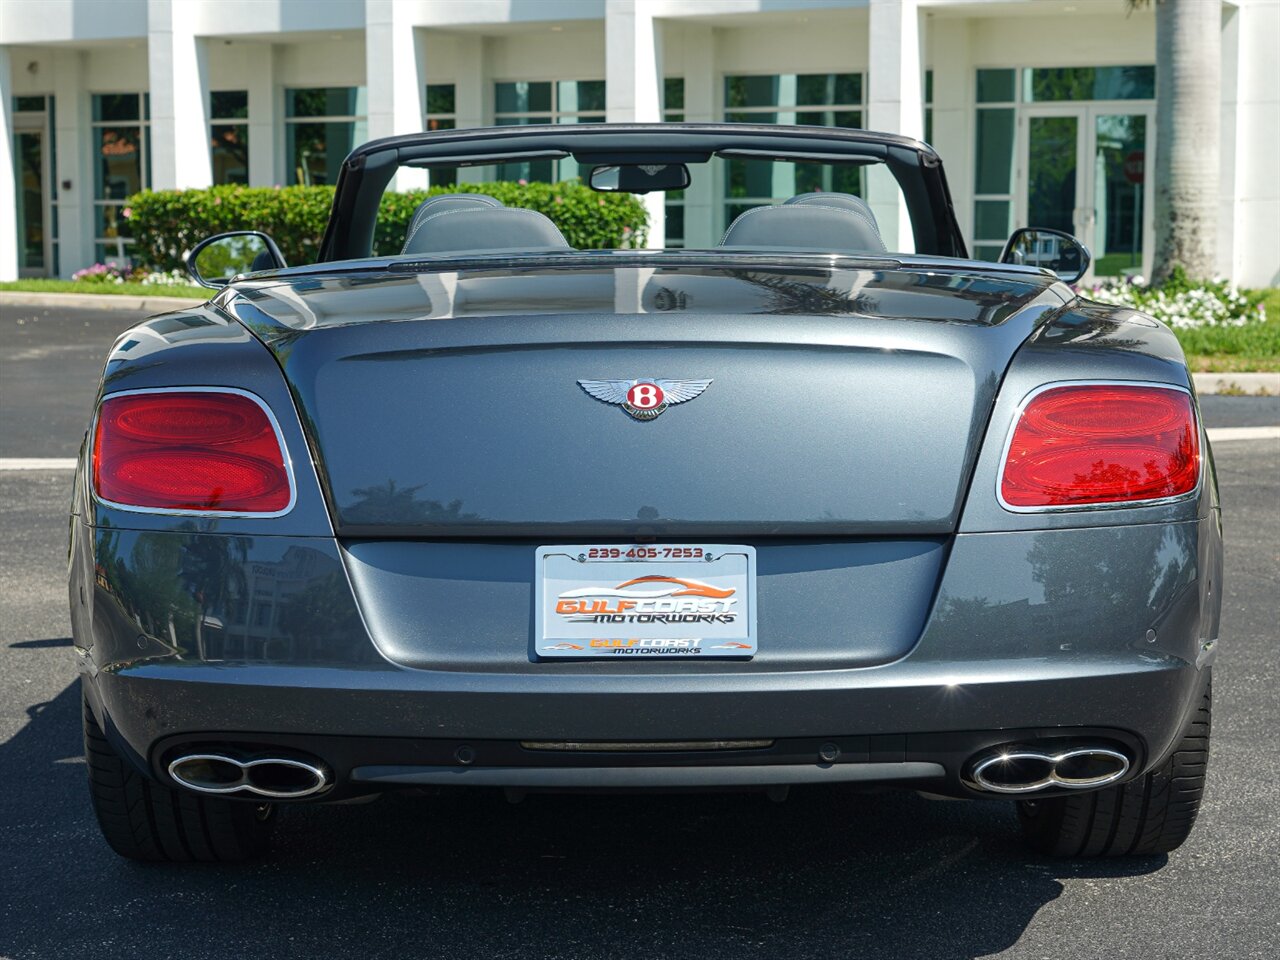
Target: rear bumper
[1099, 631]
[380, 728]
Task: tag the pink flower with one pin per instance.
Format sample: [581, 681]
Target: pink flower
[523, 182]
[127, 212]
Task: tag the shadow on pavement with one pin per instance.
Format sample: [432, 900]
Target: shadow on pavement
[828, 873]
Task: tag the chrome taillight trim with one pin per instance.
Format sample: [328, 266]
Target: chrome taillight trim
[1106, 504]
[169, 511]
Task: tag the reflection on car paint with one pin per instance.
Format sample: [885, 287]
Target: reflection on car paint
[209, 597]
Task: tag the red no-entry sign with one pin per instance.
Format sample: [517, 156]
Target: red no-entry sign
[1135, 166]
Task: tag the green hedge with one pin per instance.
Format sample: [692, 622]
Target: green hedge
[164, 223]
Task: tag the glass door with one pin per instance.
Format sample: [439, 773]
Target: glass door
[32, 168]
[1083, 170]
[1051, 177]
[1118, 190]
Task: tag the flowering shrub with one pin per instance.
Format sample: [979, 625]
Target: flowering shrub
[1184, 304]
[161, 278]
[164, 223]
[101, 273]
[114, 273]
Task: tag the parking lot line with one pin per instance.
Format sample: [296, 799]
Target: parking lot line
[1221, 434]
[1216, 435]
[37, 463]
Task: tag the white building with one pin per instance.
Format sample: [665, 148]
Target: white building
[1043, 110]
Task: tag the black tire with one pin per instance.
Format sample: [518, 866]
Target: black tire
[1150, 815]
[143, 820]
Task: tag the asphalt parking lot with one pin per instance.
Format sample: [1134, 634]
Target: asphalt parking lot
[826, 874]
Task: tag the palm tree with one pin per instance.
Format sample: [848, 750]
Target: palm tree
[1188, 81]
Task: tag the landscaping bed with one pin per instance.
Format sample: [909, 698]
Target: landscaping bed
[1221, 329]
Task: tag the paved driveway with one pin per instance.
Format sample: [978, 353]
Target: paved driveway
[826, 874]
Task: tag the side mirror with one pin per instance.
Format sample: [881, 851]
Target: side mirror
[1052, 250]
[217, 260]
[639, 177]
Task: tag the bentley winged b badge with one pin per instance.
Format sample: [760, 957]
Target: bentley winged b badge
[644, 399]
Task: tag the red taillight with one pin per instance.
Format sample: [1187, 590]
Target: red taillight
[1100, 443]
[189, 451]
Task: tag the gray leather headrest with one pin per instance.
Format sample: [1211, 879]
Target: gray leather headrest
[442, 202]
[485, 228]
[845, 201]
[807, 226]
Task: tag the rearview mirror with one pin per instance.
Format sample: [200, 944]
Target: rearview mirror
[1052, 250]
[639, 177]
[217, 260]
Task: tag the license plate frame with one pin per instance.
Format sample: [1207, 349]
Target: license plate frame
[645, 601]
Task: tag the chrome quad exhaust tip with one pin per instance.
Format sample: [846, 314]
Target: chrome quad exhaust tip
[1017, 770]
[280, 778]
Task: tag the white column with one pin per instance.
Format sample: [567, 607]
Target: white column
[701, 105]
[179, 139]
[633, 83]
[395, 78]
[266, 131]
[8, 176]
[473, 93]
[1248, 239]
[76, 153]
[894, 104]
[954, 111]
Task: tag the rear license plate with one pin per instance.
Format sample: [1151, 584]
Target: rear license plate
[645, 601]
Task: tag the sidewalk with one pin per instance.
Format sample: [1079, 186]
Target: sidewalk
[93, 301]
[1238, 384]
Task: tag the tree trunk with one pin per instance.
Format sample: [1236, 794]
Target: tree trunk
[1188, 107]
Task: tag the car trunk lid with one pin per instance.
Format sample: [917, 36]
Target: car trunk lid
[841, 402]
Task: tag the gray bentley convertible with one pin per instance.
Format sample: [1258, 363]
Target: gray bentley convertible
[825, 503]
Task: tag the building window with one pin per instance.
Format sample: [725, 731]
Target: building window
[673, 100]
[322, 126]
[928, 106]
[673, 112]
[820, 99]
[120, 127]
[547, 101]
[1049, 84]
[262, 613]
[229, 135]
[442, 107]
[442, 114]
[995, 145]
[997, 86]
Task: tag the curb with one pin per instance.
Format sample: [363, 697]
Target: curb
[92, 301]
[1238, 384]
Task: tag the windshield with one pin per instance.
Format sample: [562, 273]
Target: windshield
[695, 216]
